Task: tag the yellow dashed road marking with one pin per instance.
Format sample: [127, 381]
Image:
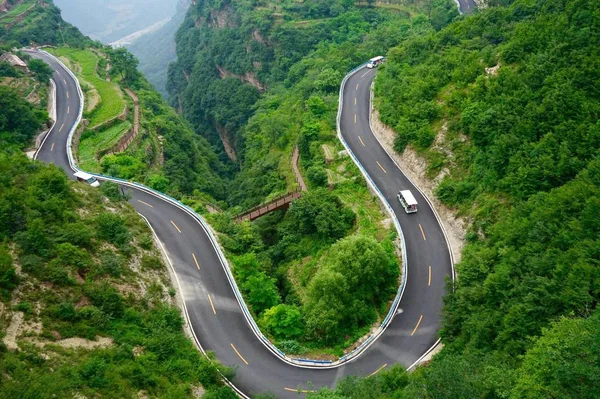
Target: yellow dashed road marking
[361, 141]
[422, 232]
[381, 167]
[429, 284]
[195, 261]
[378, 370]
[238, 353]
[145, 203]
[213, 308]
[417, 326]
[174, 225]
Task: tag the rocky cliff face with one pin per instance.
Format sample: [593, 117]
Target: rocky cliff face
[230, 52]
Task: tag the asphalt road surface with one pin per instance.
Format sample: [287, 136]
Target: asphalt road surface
[214, 313]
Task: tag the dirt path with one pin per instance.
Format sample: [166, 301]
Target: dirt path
[136, 112]
[299, 179]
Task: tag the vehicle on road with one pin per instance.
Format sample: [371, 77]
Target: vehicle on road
[408, 201]
[86, 177]
[375, 61]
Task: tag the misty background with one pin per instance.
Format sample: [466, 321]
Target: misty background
[145, 27]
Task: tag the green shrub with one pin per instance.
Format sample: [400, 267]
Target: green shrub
[317, 175]
[151, 262]
[284, 322]
[111, 227]
[112, 263]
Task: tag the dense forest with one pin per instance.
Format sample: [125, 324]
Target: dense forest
[87, 307]
[502, 104]
[85, 296]
[301, 270]
[523, 165]
[231, 52]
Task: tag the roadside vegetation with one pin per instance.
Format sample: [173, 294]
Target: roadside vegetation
[516, 88]
[16, 8]
[86, 66]
[86, 303]
[93, 143]
[166, 155]
[40, 25]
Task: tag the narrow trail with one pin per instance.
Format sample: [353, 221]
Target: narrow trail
[299, 179]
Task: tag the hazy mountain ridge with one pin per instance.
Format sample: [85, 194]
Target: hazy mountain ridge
[110, 20]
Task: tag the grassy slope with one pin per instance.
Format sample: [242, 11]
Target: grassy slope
[94, 142]
[14, 12]
[112, 103]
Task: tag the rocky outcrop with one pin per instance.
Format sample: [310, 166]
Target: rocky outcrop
[248, 77]
[224, 136]
[222, 18]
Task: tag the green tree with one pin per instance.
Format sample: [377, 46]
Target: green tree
[283, 322]
[356, 275]
[564, 362]
[41, 70]
[322, 213]
[317, 175]
[111, 227]
[19, 120]
[8, 275]
[260, 292]
[124, 63]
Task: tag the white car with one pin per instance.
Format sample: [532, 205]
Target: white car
[408, 201]
[89, 179]
[373, 62]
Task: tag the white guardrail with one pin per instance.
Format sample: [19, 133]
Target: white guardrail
[304, 363]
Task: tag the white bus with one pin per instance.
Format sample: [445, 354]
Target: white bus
[373, 62]
[86, 177]
[408, 201]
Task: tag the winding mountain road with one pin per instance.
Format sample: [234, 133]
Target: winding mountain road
[213, 311]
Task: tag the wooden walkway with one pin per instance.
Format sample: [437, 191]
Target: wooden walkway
[279, 202]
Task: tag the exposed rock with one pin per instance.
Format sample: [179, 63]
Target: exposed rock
[256, 36]
[77, 343]
[222, 18]
[137, 351]
[197, 391]
[223, 135]
[481, 4]
[492, 71]
[248, 77]
[10, 339]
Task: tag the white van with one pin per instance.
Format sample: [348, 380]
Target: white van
[86, 177]
[373, 62]
[408, 201]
